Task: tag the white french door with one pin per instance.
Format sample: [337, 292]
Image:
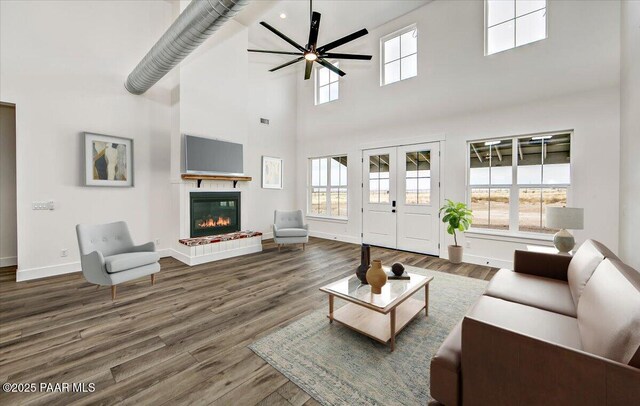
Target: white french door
[401, 197]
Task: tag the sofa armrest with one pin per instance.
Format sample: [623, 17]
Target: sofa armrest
[148, 247]
[541, 264]
[503, 367]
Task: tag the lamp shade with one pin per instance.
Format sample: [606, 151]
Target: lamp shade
[570, 218]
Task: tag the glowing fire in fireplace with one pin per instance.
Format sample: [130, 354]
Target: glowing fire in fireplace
[214, 222]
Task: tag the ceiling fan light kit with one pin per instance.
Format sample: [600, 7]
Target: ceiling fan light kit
[312, 53]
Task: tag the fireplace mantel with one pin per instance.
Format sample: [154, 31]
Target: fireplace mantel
[200, 178]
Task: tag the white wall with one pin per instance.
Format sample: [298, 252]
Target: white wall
[64, 64]
[8, 232]
[630, 133]
[223, 94]
[568, 81]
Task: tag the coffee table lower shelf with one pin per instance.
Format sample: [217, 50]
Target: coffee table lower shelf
[378, 325]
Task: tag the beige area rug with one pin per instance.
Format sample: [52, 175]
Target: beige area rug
[338, 366]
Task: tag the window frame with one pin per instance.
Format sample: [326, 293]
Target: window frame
[317, 86]
[514, 187]
[327, 188]
[515, 28]
[390, 36]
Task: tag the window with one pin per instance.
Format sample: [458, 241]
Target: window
[327, 87]
[379, 178]
[328, 186]
[418, 178]
[511, 23]
[513, 180]
[399, 56]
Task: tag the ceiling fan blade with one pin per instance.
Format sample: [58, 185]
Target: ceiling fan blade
[284, 65]
[273, 52]
[307, 69]
[343, 40]
[329, 66]
[313, 30]
[284, 37]
[347, 56]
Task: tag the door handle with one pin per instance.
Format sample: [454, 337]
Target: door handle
[393, 211]
[393, 203]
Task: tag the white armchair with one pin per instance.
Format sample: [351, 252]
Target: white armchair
[289, 228]
[109, 257]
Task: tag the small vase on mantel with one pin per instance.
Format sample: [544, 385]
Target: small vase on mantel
[365, 261]
[376, 276]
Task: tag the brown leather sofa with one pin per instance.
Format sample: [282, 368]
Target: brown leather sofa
[557, 330]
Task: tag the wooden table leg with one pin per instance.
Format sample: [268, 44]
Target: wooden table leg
[426, 300]
[330, 308]
[393, 329]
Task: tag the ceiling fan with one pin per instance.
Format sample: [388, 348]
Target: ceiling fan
[312, 53]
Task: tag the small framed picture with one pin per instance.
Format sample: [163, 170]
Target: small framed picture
[271, 173]
[108, 160]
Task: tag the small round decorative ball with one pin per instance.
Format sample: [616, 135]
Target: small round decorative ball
[397, 269]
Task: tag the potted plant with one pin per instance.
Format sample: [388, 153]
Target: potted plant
[458, 217]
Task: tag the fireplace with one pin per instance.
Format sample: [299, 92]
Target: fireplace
[214, 213]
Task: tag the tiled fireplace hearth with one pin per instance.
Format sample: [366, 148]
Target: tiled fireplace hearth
[215, 228]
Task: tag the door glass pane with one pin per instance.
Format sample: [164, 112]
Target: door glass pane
[392, 49]
[391, 72]
[424, 191]
[384, 190]
[374, 191]
[500, 37]
[531, 27]
[411, 193]
[409, 43]
[499, 11]
[409, 67]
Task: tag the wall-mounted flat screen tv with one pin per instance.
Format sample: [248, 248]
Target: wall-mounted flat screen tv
[209, 156]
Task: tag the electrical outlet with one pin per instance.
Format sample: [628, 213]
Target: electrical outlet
[467, 244]
[64, 252]
[157, 242]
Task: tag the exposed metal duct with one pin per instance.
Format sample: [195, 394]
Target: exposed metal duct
[193, 26]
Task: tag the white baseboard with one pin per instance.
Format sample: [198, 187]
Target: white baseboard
[328, 236]
[8, 261]
[45, 271]
[493, 262]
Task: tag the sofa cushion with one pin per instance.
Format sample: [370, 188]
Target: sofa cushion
[609, 313]
[123, 262]
[544, 293]
[583, 264]
[527, 320]
[291, 232]
[445, 369]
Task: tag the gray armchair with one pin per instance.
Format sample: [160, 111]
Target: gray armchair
[109, 257]
[289, 228]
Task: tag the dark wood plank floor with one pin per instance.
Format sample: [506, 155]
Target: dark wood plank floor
[182, 341]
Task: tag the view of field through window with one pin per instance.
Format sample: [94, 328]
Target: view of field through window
[329, 186]
[537, 177]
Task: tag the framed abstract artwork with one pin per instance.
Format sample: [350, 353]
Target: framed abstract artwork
[108, 160]
[271, 173]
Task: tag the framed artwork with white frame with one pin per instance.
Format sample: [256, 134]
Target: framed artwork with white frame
[271, 173]
[108, 160]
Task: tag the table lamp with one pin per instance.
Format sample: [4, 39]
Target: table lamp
[565, 218]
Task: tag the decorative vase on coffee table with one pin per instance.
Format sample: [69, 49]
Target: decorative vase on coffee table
[376, 276]
[365, 261]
